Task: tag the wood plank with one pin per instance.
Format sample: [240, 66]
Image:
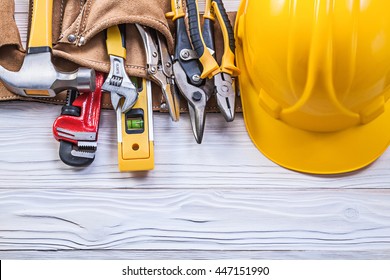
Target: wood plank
[226, 159]
[193, 255]
[344, 220]
[21, 18]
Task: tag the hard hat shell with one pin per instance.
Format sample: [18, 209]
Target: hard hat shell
[315, 81]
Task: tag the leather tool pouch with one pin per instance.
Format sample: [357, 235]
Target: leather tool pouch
[11, 50]
[78, 38]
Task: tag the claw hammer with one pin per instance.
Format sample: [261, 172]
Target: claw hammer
[38, 77]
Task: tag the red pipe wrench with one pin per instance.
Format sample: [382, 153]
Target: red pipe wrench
[77, 127]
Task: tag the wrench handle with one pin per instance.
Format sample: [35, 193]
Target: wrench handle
[40, 39]
[116, 40]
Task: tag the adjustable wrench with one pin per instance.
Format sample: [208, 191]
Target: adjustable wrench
[118, 83]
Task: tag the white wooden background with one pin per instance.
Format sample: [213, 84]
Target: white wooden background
[221, 199]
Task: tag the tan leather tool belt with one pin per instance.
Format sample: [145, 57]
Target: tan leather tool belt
[78, 39]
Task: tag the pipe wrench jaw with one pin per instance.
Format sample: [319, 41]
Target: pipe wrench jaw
[71, 155]
[77, 148]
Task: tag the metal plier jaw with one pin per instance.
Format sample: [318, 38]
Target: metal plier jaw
[160, 67]
[226, 96]
[118, 83]
[196, 99]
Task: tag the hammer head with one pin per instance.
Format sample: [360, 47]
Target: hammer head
[39, 78]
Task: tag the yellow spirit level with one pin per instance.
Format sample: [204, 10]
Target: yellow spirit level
[135, 132]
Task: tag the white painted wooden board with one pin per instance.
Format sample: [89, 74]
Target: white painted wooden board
[227, 159]
[221, 199]
[195, 220]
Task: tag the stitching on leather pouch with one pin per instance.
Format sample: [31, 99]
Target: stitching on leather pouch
[84, 15]
[7, 97]
[135, 67]
[85, 18]
[93, 62]
[61, 17]
[78, 24]
[52, 100]
[80, 18]
[107, 64]
[87, 32]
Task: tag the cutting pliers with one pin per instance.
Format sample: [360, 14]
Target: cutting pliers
[187, 71]
[204, 46]
[198, 75]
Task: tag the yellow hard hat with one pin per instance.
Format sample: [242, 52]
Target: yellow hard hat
[315, 81]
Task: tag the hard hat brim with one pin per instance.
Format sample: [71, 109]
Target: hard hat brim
[298, 149]
[313, 152]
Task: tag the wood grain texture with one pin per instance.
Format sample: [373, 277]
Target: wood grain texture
[195, 220]
[193, 255]
[226, 159]
[219, 200]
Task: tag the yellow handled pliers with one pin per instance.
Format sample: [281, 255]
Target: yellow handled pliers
[203, 43]
[197, 73]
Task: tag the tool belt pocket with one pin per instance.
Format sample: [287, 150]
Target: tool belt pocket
[11, 50]
[81, 37]
[9, 31]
